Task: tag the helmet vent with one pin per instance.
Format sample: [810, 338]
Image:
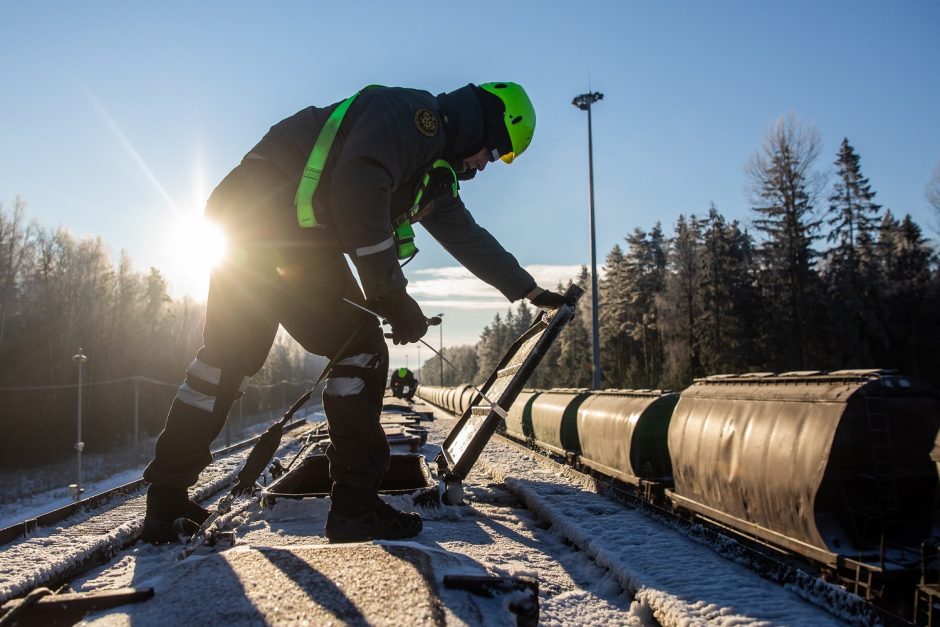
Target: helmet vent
[500, 85]
[517, 119]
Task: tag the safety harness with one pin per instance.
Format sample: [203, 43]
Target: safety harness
[402, 230]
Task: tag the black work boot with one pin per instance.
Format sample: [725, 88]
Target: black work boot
[165, 506]
[358, 515]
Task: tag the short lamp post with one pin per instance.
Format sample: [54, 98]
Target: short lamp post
[440, 342]
[77, 489]
[584, 102]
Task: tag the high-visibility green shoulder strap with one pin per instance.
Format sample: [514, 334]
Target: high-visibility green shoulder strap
[403, 231]
[439, 163]
[303, 199]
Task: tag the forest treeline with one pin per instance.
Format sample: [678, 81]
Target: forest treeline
[824, 278]
[60, 293]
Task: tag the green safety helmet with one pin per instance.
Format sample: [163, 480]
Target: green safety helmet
[519, 116]
[402, 372]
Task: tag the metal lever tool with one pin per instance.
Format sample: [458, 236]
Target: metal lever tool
[434, 321]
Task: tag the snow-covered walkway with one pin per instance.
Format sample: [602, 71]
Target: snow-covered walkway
[597, 561]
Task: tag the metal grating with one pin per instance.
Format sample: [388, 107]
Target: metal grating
[478, 423]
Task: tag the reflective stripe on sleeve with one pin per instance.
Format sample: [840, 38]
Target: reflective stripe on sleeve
[363, 360]
[195, 399]
[202, 370]
[344, 386]
[371, 250]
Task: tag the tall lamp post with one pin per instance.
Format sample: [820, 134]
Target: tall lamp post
[584, 102]
[79, 445]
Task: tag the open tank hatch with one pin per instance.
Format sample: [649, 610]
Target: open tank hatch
[310, 477]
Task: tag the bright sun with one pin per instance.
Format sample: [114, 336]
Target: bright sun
[202, 243]
[197, 246]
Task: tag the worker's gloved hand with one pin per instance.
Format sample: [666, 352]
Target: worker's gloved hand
[405, 316]
[544, 299]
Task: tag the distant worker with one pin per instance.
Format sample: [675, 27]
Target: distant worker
[403, 384]
[350, 178]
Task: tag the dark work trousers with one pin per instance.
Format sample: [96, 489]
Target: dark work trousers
[263, 283]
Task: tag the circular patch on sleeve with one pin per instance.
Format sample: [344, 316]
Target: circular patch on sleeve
[426, 122]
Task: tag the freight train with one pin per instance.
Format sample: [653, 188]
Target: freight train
[838, 469]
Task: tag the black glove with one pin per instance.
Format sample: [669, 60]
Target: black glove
[405, 316]
[551, 300]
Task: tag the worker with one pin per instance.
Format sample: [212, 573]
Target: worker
[347, 179]
[403, 384]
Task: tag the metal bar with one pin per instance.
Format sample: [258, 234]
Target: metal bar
[70, 608]
[496, 408]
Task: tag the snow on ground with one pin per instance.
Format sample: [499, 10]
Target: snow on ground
[681, 581]
[42, 502]
[51, 551]
[32, 505]
[597, 562]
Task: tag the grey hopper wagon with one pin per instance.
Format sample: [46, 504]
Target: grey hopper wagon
[836, 467]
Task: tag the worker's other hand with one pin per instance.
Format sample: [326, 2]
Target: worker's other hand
[405, 316]
[544, 299]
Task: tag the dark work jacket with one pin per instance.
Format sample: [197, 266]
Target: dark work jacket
[373, 171]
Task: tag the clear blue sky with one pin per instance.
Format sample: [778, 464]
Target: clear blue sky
[116, 117]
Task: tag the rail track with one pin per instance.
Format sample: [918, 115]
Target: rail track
[53, 548]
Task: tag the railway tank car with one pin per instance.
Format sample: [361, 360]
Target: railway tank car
[839, 469]
[518, 420]
[623, 435]
[827, 465]
[555, 420]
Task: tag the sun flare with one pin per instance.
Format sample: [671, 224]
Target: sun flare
[200, 245]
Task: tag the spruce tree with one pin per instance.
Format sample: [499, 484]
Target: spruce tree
[489, 347]
[571, 365]
[784, 186]
[852, 213]
[614, 319]
[729, 328]
[679, 305]
[645, 270]
[853, 218]
[911, 321]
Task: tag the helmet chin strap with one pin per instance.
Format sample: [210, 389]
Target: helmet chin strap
[466, 174]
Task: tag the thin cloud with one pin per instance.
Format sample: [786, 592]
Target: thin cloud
[455, 286]
[464, 304]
